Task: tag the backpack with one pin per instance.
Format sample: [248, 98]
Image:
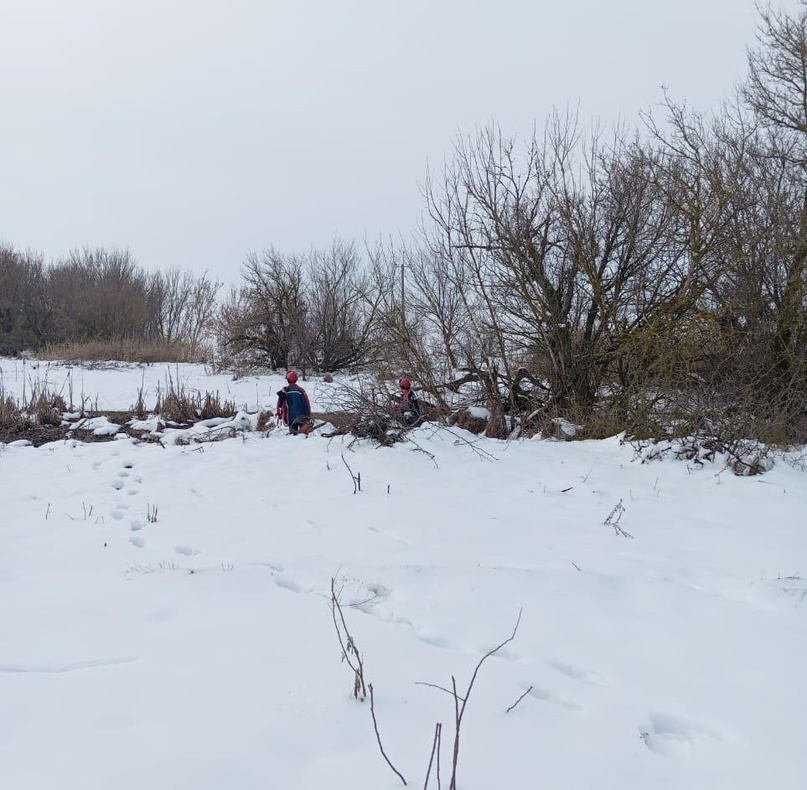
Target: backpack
[282, 411]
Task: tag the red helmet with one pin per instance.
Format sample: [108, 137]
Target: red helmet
[291, 377]
[404, 383]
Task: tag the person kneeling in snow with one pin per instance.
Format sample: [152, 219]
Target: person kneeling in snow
[293, 407]
[406, 404]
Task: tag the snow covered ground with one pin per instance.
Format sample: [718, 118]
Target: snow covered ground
[164, 618]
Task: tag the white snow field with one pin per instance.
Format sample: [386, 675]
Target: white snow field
[164, 617]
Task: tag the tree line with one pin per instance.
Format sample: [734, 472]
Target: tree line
[101, 297]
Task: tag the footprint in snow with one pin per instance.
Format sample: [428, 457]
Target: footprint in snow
[118, 515]
[287, 584]
[187, 551]
[136, 525]
[576, 673]
[433, 639]
[427, 637]
[136, 540]
[675, 737]
[544, 695]
[117, 485]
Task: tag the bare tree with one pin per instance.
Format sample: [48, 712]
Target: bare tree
[557, 252]
[313, 311]
[411, 324]
[174, 287]
[776, 92]
[342, 310]
[185, 306]
[276, 307]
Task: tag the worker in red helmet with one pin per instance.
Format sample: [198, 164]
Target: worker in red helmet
[406, 403]
[293, 407]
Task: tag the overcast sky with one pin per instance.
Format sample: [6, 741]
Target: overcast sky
[194, 131]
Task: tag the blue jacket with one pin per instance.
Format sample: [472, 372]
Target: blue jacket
[296, 400]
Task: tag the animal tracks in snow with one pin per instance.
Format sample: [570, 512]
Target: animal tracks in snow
[542, 693]
[545, 695]
[676, 737]
[428, 637]
[132, 485]
[126, 482]
[576, 673]
[287, 583]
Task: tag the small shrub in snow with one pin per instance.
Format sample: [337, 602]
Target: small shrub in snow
[176, 404]
[613, 520]
[139, 409]
[352, 657]
[264, 421]
[751, 459]
[744, 458]
[42, 408]
[355, 477]
[10, 414]
[360, 688]
[212, 406]
[47, 409]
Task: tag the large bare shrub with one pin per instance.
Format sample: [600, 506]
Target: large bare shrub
[101, 294]
[560, 252]
[263, 321]
[341, 308]
[312, 311]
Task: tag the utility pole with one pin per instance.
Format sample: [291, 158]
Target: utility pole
[403, 293]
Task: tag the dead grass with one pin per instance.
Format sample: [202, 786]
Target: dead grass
[176, 404]
[42, 409]
[39, 420]
[158, 351]
[10, 414]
